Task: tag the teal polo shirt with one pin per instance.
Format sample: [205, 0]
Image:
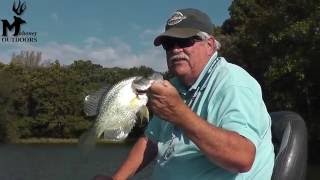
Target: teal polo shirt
[226, 96]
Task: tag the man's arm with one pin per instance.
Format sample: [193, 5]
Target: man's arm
[225, 148]
[142, 153]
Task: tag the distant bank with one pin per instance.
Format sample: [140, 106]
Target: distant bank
[66, 141]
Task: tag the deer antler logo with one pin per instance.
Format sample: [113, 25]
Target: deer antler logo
[20, 8]
[18, 21]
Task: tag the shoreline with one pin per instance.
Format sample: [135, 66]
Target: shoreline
[65, 141]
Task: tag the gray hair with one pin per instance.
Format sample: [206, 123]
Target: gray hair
[205, 36]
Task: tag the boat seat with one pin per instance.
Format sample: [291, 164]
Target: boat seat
[289, 136]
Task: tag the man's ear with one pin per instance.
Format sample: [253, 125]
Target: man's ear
[211, 46]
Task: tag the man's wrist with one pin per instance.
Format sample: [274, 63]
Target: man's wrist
[182, 112]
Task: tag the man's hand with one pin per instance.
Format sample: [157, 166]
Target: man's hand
[165, 101]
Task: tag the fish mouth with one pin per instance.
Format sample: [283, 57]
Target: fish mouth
[141, 91]
[141, 84]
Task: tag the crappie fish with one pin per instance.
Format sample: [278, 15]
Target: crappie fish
[117, 109]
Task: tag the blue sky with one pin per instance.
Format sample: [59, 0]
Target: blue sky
[111, 33]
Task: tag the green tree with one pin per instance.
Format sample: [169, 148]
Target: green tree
[278, 43]
[48, 100]
[8, 130]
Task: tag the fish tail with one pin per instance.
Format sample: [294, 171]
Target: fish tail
[87, 141]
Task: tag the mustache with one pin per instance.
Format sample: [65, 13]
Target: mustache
[179, 56]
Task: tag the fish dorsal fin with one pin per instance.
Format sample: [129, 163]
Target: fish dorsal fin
[93, 101]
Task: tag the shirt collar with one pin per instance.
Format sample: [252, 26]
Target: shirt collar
[204, 71]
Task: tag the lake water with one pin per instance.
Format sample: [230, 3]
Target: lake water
[65, 162]
[61, 162]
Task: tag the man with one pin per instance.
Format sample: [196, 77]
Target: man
[210, 120]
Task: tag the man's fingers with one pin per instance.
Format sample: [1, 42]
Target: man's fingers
[156, 86]
[159, 86]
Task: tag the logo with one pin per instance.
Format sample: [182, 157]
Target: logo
[12, 32]
[176, 18]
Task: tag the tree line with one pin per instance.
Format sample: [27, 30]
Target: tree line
[47, 100]
[276, 41]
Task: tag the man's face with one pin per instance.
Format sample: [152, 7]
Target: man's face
[187, 57]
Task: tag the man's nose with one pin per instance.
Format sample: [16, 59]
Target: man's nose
[176, 48]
